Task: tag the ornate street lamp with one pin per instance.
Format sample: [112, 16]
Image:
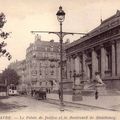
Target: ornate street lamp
[61, 17]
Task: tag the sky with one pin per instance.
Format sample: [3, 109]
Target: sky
[24, 16]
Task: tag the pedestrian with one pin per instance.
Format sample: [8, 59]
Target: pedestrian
[59, 93]
[98, 78]
[47, 90]
[32, 93]
[96, 94]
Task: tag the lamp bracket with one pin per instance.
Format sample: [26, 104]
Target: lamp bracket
[57, 33]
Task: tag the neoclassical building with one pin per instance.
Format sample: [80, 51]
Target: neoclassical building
[97, 51]
[42, 63]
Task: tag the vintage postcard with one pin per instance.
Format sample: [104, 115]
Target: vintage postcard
[59, 59]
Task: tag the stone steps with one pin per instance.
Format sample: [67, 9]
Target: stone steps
[101, 93]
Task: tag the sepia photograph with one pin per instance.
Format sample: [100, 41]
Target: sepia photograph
[59, 59]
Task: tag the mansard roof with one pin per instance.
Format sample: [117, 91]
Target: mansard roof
[105, 25]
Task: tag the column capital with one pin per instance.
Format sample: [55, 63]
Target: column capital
[101, 45]
[74, 56]
[92, 49]
[79, 53]
[68, 57]
[83, 52]
[112, 42]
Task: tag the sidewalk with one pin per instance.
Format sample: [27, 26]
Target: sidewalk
[105, 102]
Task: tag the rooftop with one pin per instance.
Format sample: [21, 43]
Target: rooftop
[106, 24]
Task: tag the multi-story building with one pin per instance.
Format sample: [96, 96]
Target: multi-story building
[42, 63]
[41, 66]
[97, 51]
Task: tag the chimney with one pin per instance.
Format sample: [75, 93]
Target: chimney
[52, 40]
[67, 41]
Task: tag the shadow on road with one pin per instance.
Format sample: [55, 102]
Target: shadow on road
[7, 107]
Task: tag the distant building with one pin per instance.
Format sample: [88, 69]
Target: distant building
[42, 63]
[97, 51]
[20, 68]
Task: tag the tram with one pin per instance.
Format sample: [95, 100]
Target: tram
[3, 90]
[12, 90]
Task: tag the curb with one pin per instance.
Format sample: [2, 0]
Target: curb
[77, 105]
[4, 97]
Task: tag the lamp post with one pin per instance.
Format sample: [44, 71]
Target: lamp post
[74, 75]
[77, 87]
[70, 74]
[61, 16]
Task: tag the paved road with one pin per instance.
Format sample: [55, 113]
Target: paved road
[27, 104]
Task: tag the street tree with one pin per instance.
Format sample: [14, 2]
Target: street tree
[10, 76]
[3, 35]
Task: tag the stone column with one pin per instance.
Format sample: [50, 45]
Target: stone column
[72, 66]
[94, 63]
[113, 59]
[118, 57]
[103, 56]
[68, 68]
[84, 66]
[77, 64]
[80, 65]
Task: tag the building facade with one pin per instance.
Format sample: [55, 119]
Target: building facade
[97, 51]
[20, 68]
[42, 63]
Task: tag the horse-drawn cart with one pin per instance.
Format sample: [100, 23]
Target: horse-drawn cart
[39, 93]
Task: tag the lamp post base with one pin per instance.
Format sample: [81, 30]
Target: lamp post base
[77, 98]
[61, 108]
[101, 89]
[77, 93]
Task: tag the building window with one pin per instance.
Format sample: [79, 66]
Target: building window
[40, 65]
[40, 72]
[52, 65]
[34, 80]
[52, 72]
[46, 49]
[40, 83]
[52, 55]
[46, 55]
[51, 49]
[34, 72]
